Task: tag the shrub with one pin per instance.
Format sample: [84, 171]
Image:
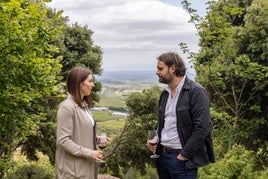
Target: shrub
[31, 171]
[237, 163]
[133, 173]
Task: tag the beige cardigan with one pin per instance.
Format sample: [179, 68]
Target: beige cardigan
[75, 142]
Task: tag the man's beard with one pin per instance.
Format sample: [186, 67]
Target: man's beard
[165, 79]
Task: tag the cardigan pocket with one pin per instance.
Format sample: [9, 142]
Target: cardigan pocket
[68, 166]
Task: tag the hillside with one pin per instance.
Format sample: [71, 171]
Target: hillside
[122, 77]
[120, 84]
[134, 77]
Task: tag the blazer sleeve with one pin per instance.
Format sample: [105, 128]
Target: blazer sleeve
[65, 117]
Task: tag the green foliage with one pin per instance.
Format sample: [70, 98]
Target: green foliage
[150, 172]
[28, 73]
[222, 125]
[6, 163]
[129, 149]
[79, 49]
[237, 163]
[111, 127]
[22, 168]
[120, 109]
[31, 172]
[115, 101]
[108, 123]
[144, 106]
[132, 173]
[231, 66]
[112, 99]
[75, 47]
[253, 37]
[102, 116]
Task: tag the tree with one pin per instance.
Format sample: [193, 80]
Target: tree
[236, 77]
[28, 73]
[232, 66]
[236, 163]
[76, 47]
[79, 49]
[129, 149]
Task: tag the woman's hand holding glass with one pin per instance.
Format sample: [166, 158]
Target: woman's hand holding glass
[102, 142]
[97, 155]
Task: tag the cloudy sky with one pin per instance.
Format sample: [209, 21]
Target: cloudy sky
[132, 34]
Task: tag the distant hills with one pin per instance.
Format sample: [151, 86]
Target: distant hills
[134, 76]
[117, 77]
[127, 75]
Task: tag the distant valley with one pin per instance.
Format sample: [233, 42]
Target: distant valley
[118, 85]
[121, 77]
[116, 88]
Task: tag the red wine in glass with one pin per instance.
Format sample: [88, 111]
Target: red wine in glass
[153, 140]
[102, 143]
[101, 146]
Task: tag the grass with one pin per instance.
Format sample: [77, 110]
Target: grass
[115, 101]
[112, 128]
[102, 116]
[108, 123]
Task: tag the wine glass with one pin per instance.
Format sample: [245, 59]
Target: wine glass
[153, 140]
[102, 143]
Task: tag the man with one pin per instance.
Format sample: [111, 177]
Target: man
[184, 129]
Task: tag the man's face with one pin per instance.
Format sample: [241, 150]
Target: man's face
[164, 72]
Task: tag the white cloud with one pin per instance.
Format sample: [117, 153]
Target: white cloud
[131, 33]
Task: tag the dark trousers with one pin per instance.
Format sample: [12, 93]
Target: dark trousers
[169, 167]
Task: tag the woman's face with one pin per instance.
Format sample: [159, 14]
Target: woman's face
[86, 86]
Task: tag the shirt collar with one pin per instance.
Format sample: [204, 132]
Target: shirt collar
[178, 88]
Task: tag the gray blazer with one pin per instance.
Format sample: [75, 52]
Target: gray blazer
[75, 142]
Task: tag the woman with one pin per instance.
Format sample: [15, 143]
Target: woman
[76, 154]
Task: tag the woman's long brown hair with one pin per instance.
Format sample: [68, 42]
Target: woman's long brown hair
[74, 79]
